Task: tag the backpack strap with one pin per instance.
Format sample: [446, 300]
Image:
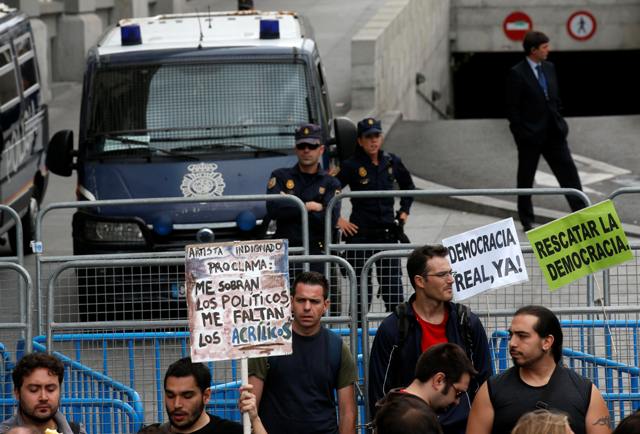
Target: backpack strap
[403, 323]
[464, 326]
[395, 358]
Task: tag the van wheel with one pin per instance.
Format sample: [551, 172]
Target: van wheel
[28, 228]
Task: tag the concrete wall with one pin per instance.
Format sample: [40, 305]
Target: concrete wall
[477, 24]
[404, 38]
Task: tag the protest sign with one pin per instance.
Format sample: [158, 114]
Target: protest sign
[579, 244]
[238, 299]
[485, 258]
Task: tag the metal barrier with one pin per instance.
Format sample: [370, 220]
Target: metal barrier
[42, 259]
[137, 353]
[595, 337]
[25, 289]
[9, 317]
[6, 384]
[630, 279]
[13, 214]
[387, 265]
[329, 246]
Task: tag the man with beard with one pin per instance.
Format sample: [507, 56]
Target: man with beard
[428, 318]
[443, 373]
[37, 379]
[537, 380]
[187, 392]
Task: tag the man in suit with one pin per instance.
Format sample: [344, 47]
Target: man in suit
[538, 128]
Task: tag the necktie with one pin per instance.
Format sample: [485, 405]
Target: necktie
[543, 81]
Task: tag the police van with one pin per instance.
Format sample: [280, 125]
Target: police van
[197, 106]
[23, 175]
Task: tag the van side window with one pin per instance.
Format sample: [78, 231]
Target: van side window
[8, 79]
[27, 62]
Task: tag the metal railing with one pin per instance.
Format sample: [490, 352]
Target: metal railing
[25, 290]
[42, 258]
[136, 352]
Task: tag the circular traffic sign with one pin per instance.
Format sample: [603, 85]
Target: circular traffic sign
[516, 25]
[581, 25]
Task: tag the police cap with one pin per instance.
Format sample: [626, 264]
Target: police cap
[369, 126]
[309, 133]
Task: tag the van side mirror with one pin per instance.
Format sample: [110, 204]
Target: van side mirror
[345, 137]
[60, 153]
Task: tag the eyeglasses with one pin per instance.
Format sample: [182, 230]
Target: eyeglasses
[459, 392]
[303, 146]
[443, 274]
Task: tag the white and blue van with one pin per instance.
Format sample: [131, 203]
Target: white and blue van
[191, 105]
[23, 116]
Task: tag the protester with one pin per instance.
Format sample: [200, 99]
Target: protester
[427, 319]
[537, 380]
[187, 389]
[442, 377]
[309, 182]
[37, 379]
[542, 422]
[295, 393]
[538, 128]
[372, 220]
[629, 425]
[406, 415]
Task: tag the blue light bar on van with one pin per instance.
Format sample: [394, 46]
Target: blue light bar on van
[269, 29]
[130, 34]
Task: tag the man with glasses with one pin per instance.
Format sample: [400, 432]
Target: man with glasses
[308, 181]
[442, 377]
[428, 318]
[372, 220]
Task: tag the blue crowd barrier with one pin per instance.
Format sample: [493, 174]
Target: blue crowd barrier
[6, 383]
[224, 396]
[620, 390]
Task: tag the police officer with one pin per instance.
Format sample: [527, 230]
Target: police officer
[308, 181]
[373, 220]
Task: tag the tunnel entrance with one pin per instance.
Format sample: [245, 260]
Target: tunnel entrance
[592, 83]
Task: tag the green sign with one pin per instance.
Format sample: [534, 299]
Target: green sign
[579, 244]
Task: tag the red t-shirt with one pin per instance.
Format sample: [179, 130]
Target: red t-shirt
[433, 333]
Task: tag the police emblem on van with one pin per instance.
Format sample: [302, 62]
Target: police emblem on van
[202, 181]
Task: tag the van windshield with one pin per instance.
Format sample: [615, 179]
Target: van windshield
[197, 108]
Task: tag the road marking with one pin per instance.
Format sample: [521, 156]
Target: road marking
[591, 172]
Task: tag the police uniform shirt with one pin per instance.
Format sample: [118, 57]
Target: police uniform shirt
[319, 187]
[360, 174]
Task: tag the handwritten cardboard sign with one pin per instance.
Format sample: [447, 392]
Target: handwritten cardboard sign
[238, 299]
[485, 258]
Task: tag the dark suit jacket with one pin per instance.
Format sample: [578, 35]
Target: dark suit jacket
[533, 119]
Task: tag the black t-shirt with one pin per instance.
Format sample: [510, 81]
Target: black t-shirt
[218, 425]
[511, 398]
